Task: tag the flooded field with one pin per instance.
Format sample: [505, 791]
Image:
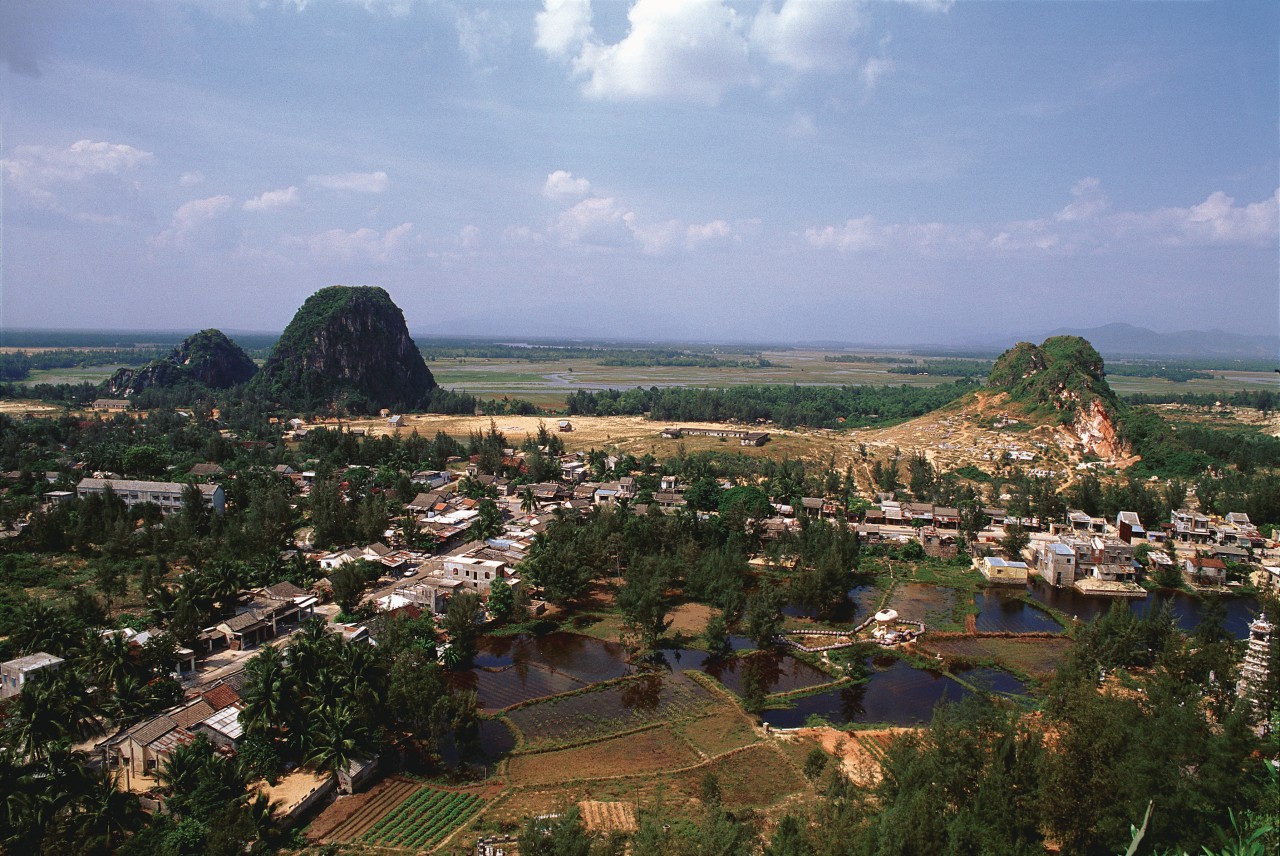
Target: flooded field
[934, 605]
[1187, 609]
[513, 669]
[1003, 611]
[900, 695]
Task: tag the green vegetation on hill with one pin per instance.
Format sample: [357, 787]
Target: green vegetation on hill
[346, 348]
[207, 359]
[1064, 373]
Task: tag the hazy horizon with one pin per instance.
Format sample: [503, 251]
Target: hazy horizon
[928, 173]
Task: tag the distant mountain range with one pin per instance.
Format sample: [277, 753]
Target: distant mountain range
[1126, 340]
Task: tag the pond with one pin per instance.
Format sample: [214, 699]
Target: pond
[495, 742]
[1004, 611]
[858, 603]
[512, 669]
[899, 695]
[934, 605]
[1187, 609]
[779, 671]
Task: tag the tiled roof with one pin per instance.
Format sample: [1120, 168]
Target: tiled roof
[192, 713]
[284, 591]
[243, 621]
[146, 732]
[220, 696]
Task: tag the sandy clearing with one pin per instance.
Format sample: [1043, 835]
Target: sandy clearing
[856, 761]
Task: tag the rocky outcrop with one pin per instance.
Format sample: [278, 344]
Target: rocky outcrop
[1094, 432]
[208, 359]
[347, 348]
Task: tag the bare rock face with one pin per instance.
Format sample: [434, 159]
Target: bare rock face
[347, 348]
[1093, 432]
[207, 359]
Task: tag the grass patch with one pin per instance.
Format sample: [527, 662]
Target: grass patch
[1034, 658]
[649, 751]
[720, 731]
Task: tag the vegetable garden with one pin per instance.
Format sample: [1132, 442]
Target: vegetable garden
[424, 819]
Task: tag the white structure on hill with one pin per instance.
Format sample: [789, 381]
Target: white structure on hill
[1256, 666]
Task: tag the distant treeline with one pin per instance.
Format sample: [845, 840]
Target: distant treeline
[787, 406]
[1265, 400]
[164, 340]
[859, 358]
[20, 364]
[601, 355]
[946, 368]
[1173, 373]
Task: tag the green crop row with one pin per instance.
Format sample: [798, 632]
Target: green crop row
[423, 819]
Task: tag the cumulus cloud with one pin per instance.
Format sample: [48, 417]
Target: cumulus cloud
[360, 245]
[353, 182]
[191, 219]
[708, 234]
[679, 50]
[594, 222]
[88, 180]
[273, 200]
[1086, 224]
[806, 36]
[697, 50]
[191, 179]
[562, 185]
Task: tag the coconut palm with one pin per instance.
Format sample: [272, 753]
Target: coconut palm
[528, 503]
[53, 708]
[105, 815]
[337, 737]
[268, 696]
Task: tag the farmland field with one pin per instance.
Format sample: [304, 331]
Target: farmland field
[724, 729]
[647, 752]
[423, 819]
[617, 707]
[1037, 657]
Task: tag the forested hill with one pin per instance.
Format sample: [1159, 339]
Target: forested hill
[787, 406]
[207, 358]
[346, 348]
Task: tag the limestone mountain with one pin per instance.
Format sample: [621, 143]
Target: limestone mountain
[1064, 377]
[346, 348]
[207, 358]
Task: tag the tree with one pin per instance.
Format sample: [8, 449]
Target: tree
[763, 617]
[268, 695]
[716, 636]
[561, 836]
[460, 625]
[336, 737]
[643, 599]
[489, 523]
[501, 601]
[1015, 540]
[528, 503]
[815, 763]
[349, 582]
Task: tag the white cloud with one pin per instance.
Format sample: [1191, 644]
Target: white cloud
[1086, 224]
[38, 167]
[708, 234]
[273, 200]
[482, 35]
[1089, 201]
[679, 50]
[597, 221]
[563, 26]
[191, 219]
[191, 179]
[804, 35]
[469, 237]
[361, 245]
[354, 182]
[562, 185]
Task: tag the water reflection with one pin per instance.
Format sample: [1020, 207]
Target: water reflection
[1187, 609]
[899, 695]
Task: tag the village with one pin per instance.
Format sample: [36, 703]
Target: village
[448, 542]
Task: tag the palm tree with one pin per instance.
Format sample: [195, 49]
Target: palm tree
[112, 660]
[336, 738]
[106, 814]
[268, 694]
[53, 708]
[528, 503]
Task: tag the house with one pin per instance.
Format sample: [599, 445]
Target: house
[167, 495]
[206, 470]
[565, 425]
[936, 543]
[396, 421]
[1002, 571]
[282, 470]
[14, 673]
[475, 574]
[1204, 570]
[1056, 562]
[333, 561]
[1190, 526]
[116, 404]
[754, 438]
[1129, 526]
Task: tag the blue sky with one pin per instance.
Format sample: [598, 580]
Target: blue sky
[691, 169]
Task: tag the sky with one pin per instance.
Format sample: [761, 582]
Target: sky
[782, 171]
